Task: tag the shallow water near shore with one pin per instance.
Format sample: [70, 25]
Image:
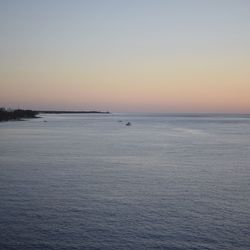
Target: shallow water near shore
[88, 181]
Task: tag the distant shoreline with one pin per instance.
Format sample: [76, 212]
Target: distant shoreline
[21, 114]
[71, 112]
[17, 114]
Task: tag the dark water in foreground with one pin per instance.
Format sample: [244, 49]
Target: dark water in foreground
[90, 182]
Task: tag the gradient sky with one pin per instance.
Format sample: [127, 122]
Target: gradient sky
[130, 55]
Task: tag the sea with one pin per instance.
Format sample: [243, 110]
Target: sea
[89, 181]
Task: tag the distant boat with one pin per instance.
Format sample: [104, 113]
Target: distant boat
[45, 121]
[128, 124]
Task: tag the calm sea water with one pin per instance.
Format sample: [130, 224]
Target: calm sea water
[91, 182]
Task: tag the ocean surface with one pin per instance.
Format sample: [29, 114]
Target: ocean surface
[88, 181]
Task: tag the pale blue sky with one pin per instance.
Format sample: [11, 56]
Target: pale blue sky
[112, 26]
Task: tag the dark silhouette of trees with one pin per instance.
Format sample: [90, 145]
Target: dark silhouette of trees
[17, 114]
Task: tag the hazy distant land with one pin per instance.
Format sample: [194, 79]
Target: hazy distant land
[19, 114]
[73, 112]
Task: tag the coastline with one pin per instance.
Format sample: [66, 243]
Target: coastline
[21, 115]
[17, 115]
[71, 112]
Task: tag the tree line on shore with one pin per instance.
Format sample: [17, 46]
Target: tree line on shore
[17, 114]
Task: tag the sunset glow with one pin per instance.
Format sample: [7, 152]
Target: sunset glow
[162, 56]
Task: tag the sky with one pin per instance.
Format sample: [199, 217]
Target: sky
[126, 55]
